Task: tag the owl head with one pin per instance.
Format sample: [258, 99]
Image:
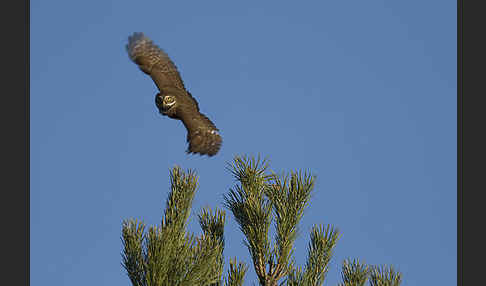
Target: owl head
[166, 103]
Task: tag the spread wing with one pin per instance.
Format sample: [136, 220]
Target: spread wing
[202, 135]
[153, 61]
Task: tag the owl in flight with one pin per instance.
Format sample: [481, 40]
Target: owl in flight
[173, 99]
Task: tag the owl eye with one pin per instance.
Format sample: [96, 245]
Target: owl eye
[169, 99]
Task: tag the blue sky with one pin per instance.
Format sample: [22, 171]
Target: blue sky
[361, 93]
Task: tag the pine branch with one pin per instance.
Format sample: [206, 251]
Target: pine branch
[212, 224]
[295, 277]
[385, 276]
[168, 247]
[205, 258]
[252, 210]
[289, 198]
[133, 262]
[321, 246]
[178, 205]
[236, 273]
[354, 273]
[161, 247]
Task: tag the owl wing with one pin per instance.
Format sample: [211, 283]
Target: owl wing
[202, 135]
[153, 61]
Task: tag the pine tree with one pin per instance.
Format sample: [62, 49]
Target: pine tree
[168, 255]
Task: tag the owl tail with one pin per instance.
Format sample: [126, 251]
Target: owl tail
[204, 142]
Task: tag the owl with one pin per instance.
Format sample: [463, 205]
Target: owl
[173, 100]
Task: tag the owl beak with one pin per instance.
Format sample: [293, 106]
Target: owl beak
[169, 104]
